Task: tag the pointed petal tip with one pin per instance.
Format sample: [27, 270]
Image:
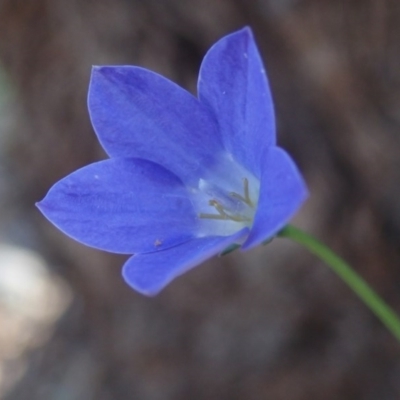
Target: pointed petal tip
[100, 70]
[42, 205]
[245, 33]
[141, 282]
[105, 71]
[48, 207]
[98, 75]
[136, 285]
[246, 30]
[95, 70]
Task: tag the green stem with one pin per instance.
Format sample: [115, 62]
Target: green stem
[375, 303]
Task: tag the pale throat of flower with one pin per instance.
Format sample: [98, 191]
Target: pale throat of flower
[227, 206]
[224, 213]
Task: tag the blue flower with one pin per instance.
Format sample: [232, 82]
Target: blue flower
[187, 177]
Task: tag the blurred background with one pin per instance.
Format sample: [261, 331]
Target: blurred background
[273, 323]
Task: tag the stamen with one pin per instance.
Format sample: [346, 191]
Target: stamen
[222, 214]
[212, 216]
[228, 212]
[246, 199]
[246, 192]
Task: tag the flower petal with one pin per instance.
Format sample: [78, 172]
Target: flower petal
[233, 83]
[138, 113]
[123, 206]
[150, 273]
[282, 192]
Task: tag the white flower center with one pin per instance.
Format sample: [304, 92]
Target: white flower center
[227, 202]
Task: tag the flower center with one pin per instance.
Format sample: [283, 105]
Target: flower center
[227, 213]
[226, 201]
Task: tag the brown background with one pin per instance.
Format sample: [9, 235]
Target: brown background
[270, 324]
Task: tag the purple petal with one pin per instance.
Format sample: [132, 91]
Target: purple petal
[123, 206]
[233, 83]
[138, 113]
[282, 192]
[150, 273]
